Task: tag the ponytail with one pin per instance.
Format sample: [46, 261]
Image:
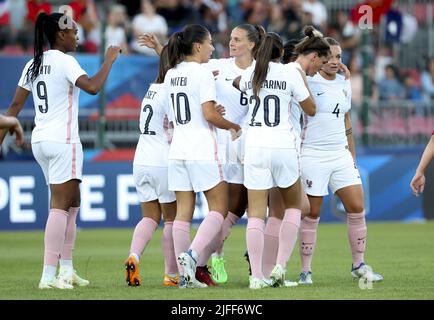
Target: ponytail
[271, 48]
[312, 42]
[47, 25]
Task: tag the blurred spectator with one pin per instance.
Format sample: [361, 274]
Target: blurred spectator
[176, 13]
[85, 14]
[409, 27]
[319, 13]
[347, 34]
[412, 92]
[356, 81]
[218, 11]
[115, 32]
[258, 13]
[278, 22]
[35, 7]
[148, 21]
[384, 57]
[427, 79]
[292, 11]
[390, 87]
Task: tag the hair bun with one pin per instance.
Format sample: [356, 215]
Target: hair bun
[311, 32]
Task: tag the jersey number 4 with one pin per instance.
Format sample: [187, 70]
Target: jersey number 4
[336, 110]
[178, 103]
[41, 91]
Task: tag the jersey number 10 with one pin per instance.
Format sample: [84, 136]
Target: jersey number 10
[176, 105]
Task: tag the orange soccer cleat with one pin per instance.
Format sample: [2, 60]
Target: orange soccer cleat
[132, 276]
[170, 281]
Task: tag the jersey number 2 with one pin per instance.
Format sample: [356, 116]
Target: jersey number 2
[41, 90]
[148, 107]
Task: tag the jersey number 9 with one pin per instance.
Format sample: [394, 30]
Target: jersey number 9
[41, 90]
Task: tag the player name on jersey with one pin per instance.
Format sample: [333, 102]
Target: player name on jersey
[150, 94]
[178, 81]
[270, 84]
[45, 69]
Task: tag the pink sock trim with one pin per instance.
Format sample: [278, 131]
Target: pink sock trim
[357, 234]
[208, 229]
[170, 266]
[308, 235]
[142, 235]
[54, 236]
[70, 235]
[288, 235]
[181, 239]
[255, 245]
[271, 245]
[227, 224]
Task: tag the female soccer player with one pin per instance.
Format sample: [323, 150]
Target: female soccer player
[194, 165]
[55, 80]
[328, 159]
[271, 158]
[307, 55]
[12, 125]
[150, 176]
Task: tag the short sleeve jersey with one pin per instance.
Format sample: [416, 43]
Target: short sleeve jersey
[55, 97]
[153, 146]
[188, 86]
[326, 130]
[269, 116]
[234, 101]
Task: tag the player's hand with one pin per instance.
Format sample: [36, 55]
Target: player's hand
[417, 184]
[236, 132]
[112, 53]
[344, 69]
[220, 109]
[149, 40]
[19, 135]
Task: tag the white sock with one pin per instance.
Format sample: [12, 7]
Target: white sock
[135, 256]
[65, 263]
[218, 255]
[48, 273]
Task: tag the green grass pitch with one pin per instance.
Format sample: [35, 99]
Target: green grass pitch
[402, 253]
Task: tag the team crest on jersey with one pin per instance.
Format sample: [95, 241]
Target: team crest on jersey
[345, 93]
[309, 183]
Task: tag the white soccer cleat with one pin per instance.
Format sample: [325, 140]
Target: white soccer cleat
[55, 283]
[305, 277]
[78, 281]
[255, 283]
[289, 283]
[189, 264]
[278, 276]
[365, 271]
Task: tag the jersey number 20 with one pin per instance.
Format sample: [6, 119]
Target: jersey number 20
[266, 103]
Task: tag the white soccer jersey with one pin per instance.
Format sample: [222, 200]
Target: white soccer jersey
[234, 101]
[326, 130]
[269, 120]
[153, 146]
[55, 97]
[296, 110]
[188, 85]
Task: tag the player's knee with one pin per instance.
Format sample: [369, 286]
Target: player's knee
[355, 208]
[314, 213]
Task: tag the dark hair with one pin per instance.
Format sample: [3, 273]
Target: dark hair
[255, 33]
[289, 54]
[332, 42]
[181, 43]
[163, 66]
[47, 25]
[313, 42]
[271, 48]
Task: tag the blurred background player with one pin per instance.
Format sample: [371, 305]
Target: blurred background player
[194, 165]
[12, 125]
[151, 180]
[271, 157]
[417, 184]
[328, 159]
[55, 80]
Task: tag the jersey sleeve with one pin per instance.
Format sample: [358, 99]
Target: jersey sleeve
[73, 70]
[207, 87]
[300, 91]
[23, 80]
